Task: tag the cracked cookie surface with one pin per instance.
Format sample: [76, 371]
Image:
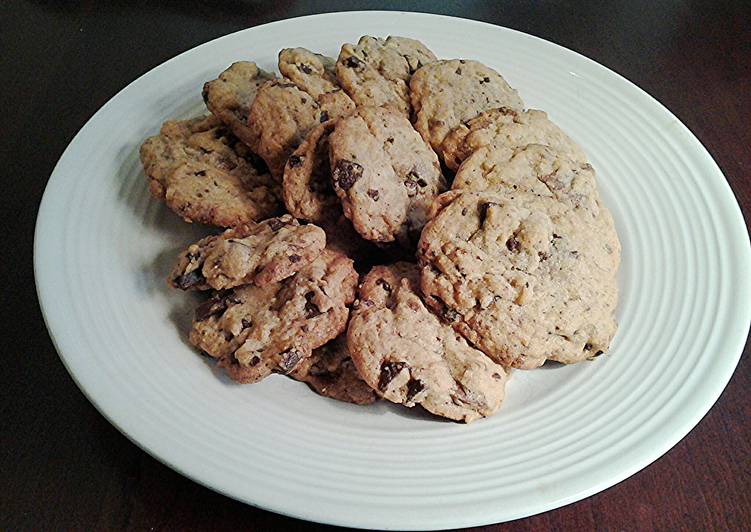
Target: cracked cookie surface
[377, 71]
[446, 94]
[282, 115]
[230, 96]
[260, 253]
[258, 330]
[536, 169]
[507, 128]
[385, 175]
[206, 175]
[524, 278]
[403, 351]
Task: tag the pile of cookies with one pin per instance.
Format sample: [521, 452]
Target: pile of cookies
[396, 226]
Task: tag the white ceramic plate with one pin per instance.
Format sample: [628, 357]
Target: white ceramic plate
[103, 249]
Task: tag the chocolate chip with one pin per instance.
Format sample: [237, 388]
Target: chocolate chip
[185, 281]
[246, 323]
[205, 93]
[346, 173]
[311, 309]
[414, 386]
[412, 180]
[464, 211]
[353, 62]
[485, 80]
[555, 236]
[543, 256]
[294, 258]
[588, 347]
[373, 193]
[295, 161]
[254, 361]
[513, 245]
[384, 284]
[389, 370]
[200, 173]
[496, 376]
[210, 307]
[193, 256]
[484, 211]
[390, 140]
[275, 224]
[458, 71]
[289, 360]
[324, 116]
[598, 353]
[305, 68]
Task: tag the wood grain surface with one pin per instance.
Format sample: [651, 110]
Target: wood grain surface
[65, 467]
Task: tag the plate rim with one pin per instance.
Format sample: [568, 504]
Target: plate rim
[712, 391]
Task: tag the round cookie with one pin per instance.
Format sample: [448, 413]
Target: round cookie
[206, 175]
[446, 94]
[404, 352]
[534, 168]
[330, 372]
[508, 128]
[307, 189]
[230, 96]
[261, 253]
[258, 330]
[377, 71]
[524, 278]
[281, 117]
[384, 174]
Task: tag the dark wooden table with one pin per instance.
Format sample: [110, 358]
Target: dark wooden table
[65, 467]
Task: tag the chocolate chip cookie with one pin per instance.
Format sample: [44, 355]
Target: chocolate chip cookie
[524, 278]
[258, 330]
[377, 71]
[385, 175]
[230, 96]
[404, 352]
[510, 128]
[311, 72]
[330, 372]
[446, 94]
[261, 253]
[535, 168]
[307, 189]
[206, 175]
[282, 115]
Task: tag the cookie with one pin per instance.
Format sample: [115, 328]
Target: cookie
[282, 115]
[258, 330]
[403, 351]
[330, 372]
[535, 168]
[446, 94]
[307, 189]
[261, 253]
[384, 174]
[510, 128]
[311, 72]
[524, 278]
[377, 71]
[230, 96]
[206, 175]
